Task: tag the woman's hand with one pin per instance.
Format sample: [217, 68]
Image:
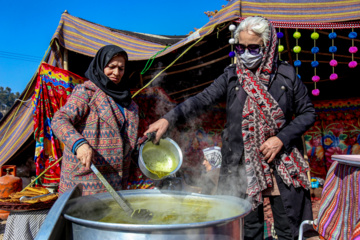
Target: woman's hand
[160, 127]
[271, 147]
[85, 155]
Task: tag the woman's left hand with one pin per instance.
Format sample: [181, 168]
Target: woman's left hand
[271, 147]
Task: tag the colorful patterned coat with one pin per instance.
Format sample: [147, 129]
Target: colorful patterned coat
[91, 115]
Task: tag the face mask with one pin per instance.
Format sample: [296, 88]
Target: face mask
[251, 61]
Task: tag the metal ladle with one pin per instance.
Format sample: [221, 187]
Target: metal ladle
[142, 215]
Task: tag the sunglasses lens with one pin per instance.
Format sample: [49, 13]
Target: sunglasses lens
[240, 49]
[254, 49]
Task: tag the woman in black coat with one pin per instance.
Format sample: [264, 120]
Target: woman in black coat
[268, 109]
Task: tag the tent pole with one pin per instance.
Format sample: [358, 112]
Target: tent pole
[66, 66]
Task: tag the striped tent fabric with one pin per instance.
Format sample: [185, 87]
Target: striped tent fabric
[302, 11]
[230, 12]
[84, 37]
[15, 129]
[339, 206]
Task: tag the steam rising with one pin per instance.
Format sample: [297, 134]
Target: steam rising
[185, 135]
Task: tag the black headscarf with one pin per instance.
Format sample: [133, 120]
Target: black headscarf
[119, 92]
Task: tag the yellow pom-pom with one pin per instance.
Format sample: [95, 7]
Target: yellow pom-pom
[280, 48]
[315, 36]
[297, 35]
[297, 49]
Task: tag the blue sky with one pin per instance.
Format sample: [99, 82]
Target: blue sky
[26, 27]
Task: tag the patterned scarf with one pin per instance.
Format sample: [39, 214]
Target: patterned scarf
[262, 119]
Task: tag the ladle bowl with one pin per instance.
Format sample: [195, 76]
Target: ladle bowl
[167, 148]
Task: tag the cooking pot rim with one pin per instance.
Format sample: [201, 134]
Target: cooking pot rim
[147, 227]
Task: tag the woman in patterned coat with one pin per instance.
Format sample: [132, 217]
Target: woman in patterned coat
[98, 124]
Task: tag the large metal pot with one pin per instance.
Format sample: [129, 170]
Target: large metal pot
[84, 212]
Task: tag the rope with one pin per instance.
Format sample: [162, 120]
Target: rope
[152, 60]
[171, 63]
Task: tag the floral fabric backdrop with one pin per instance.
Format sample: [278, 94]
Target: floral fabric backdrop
[52, 89]
[336, 131]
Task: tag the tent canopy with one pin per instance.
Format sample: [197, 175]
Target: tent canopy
[206, 60]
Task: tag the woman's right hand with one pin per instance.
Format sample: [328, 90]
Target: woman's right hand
[160, 127]
[85, 155]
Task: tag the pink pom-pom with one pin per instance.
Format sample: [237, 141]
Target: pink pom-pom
[333, 76]
[315, 78]
[315, 92]
[333, 63]
[353, 49]
[352, 64]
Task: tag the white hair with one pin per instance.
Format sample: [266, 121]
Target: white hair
[258, 25]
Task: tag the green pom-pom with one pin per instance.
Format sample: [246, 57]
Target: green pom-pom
[280, 48]
[297, 35]
[315, 36]
[297, 49]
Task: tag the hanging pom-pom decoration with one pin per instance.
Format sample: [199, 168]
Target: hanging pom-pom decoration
[297, 50]
[353, 34]
[333, 63]
[297, 35]
[333, 49]
[232, 28]
[315, 64]
[315, 92]
[297, 63]
[280, 47]
[315, 35]
[280, 34]
[315, 78]
[353, 64]
[353, 49]
[333, 76]
[314, 50]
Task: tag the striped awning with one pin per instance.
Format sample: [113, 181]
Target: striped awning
[15, 130]
[302, 11]
[84, 37]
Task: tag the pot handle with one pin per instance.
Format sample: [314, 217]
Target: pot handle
[148, 137]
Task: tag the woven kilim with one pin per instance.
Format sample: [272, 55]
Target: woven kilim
[336, 131]
[53, 87]
[339, 205]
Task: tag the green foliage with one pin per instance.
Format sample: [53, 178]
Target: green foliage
[7, 98]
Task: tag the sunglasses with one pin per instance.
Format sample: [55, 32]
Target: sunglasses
[253, 49]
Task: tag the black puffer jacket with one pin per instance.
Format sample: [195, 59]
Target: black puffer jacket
[293, 99]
